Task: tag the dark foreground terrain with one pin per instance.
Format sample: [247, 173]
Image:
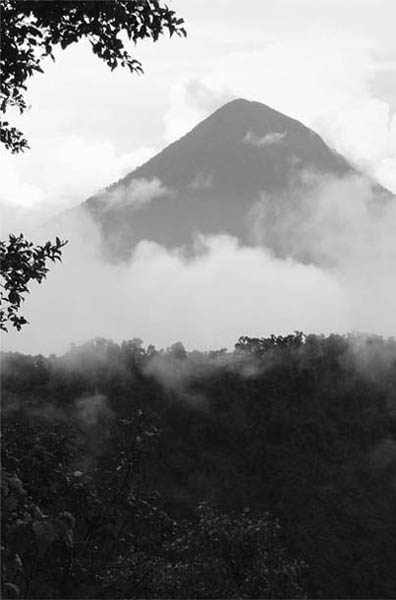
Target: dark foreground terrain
[268, 472]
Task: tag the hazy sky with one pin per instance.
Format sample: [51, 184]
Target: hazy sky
[329, 63]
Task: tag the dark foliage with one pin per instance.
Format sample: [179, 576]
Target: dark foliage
[31, 29]
[20, 263]
[135, 473]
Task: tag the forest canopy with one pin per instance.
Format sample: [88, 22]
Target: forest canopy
[265, 472]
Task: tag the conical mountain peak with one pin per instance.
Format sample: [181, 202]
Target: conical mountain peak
[209, 180]
[243, 144]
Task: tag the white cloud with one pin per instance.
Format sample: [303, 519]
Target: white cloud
[365, 131]
[340, 223]
[59, 173]
[270, 139]
[137, 193]
[227, 290]
[161, 296]
[14, 191]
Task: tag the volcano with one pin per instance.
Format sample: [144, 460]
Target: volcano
[209, 181]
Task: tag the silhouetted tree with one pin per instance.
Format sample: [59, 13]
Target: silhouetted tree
[20, 263]
[32, 29]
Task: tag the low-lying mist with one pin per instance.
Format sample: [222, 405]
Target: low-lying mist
[325, 264]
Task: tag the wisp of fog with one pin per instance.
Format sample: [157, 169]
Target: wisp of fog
[332, 270]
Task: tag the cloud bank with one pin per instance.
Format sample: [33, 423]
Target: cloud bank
[227, 290]
[74, 168]
[136, 193]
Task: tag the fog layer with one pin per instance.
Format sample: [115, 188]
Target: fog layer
[333, 271]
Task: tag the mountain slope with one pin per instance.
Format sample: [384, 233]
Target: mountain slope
[231, 145]
[209, 180]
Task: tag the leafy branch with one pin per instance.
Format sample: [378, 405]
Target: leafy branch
[20, 263]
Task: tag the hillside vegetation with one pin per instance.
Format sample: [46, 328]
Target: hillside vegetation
[266, 472]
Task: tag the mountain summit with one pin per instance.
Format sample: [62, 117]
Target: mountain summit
[209, 180]
[241, 148]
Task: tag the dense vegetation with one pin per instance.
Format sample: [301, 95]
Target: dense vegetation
[20, 263]
[267, 472]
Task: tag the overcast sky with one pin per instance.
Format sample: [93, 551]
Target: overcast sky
[329, 63]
